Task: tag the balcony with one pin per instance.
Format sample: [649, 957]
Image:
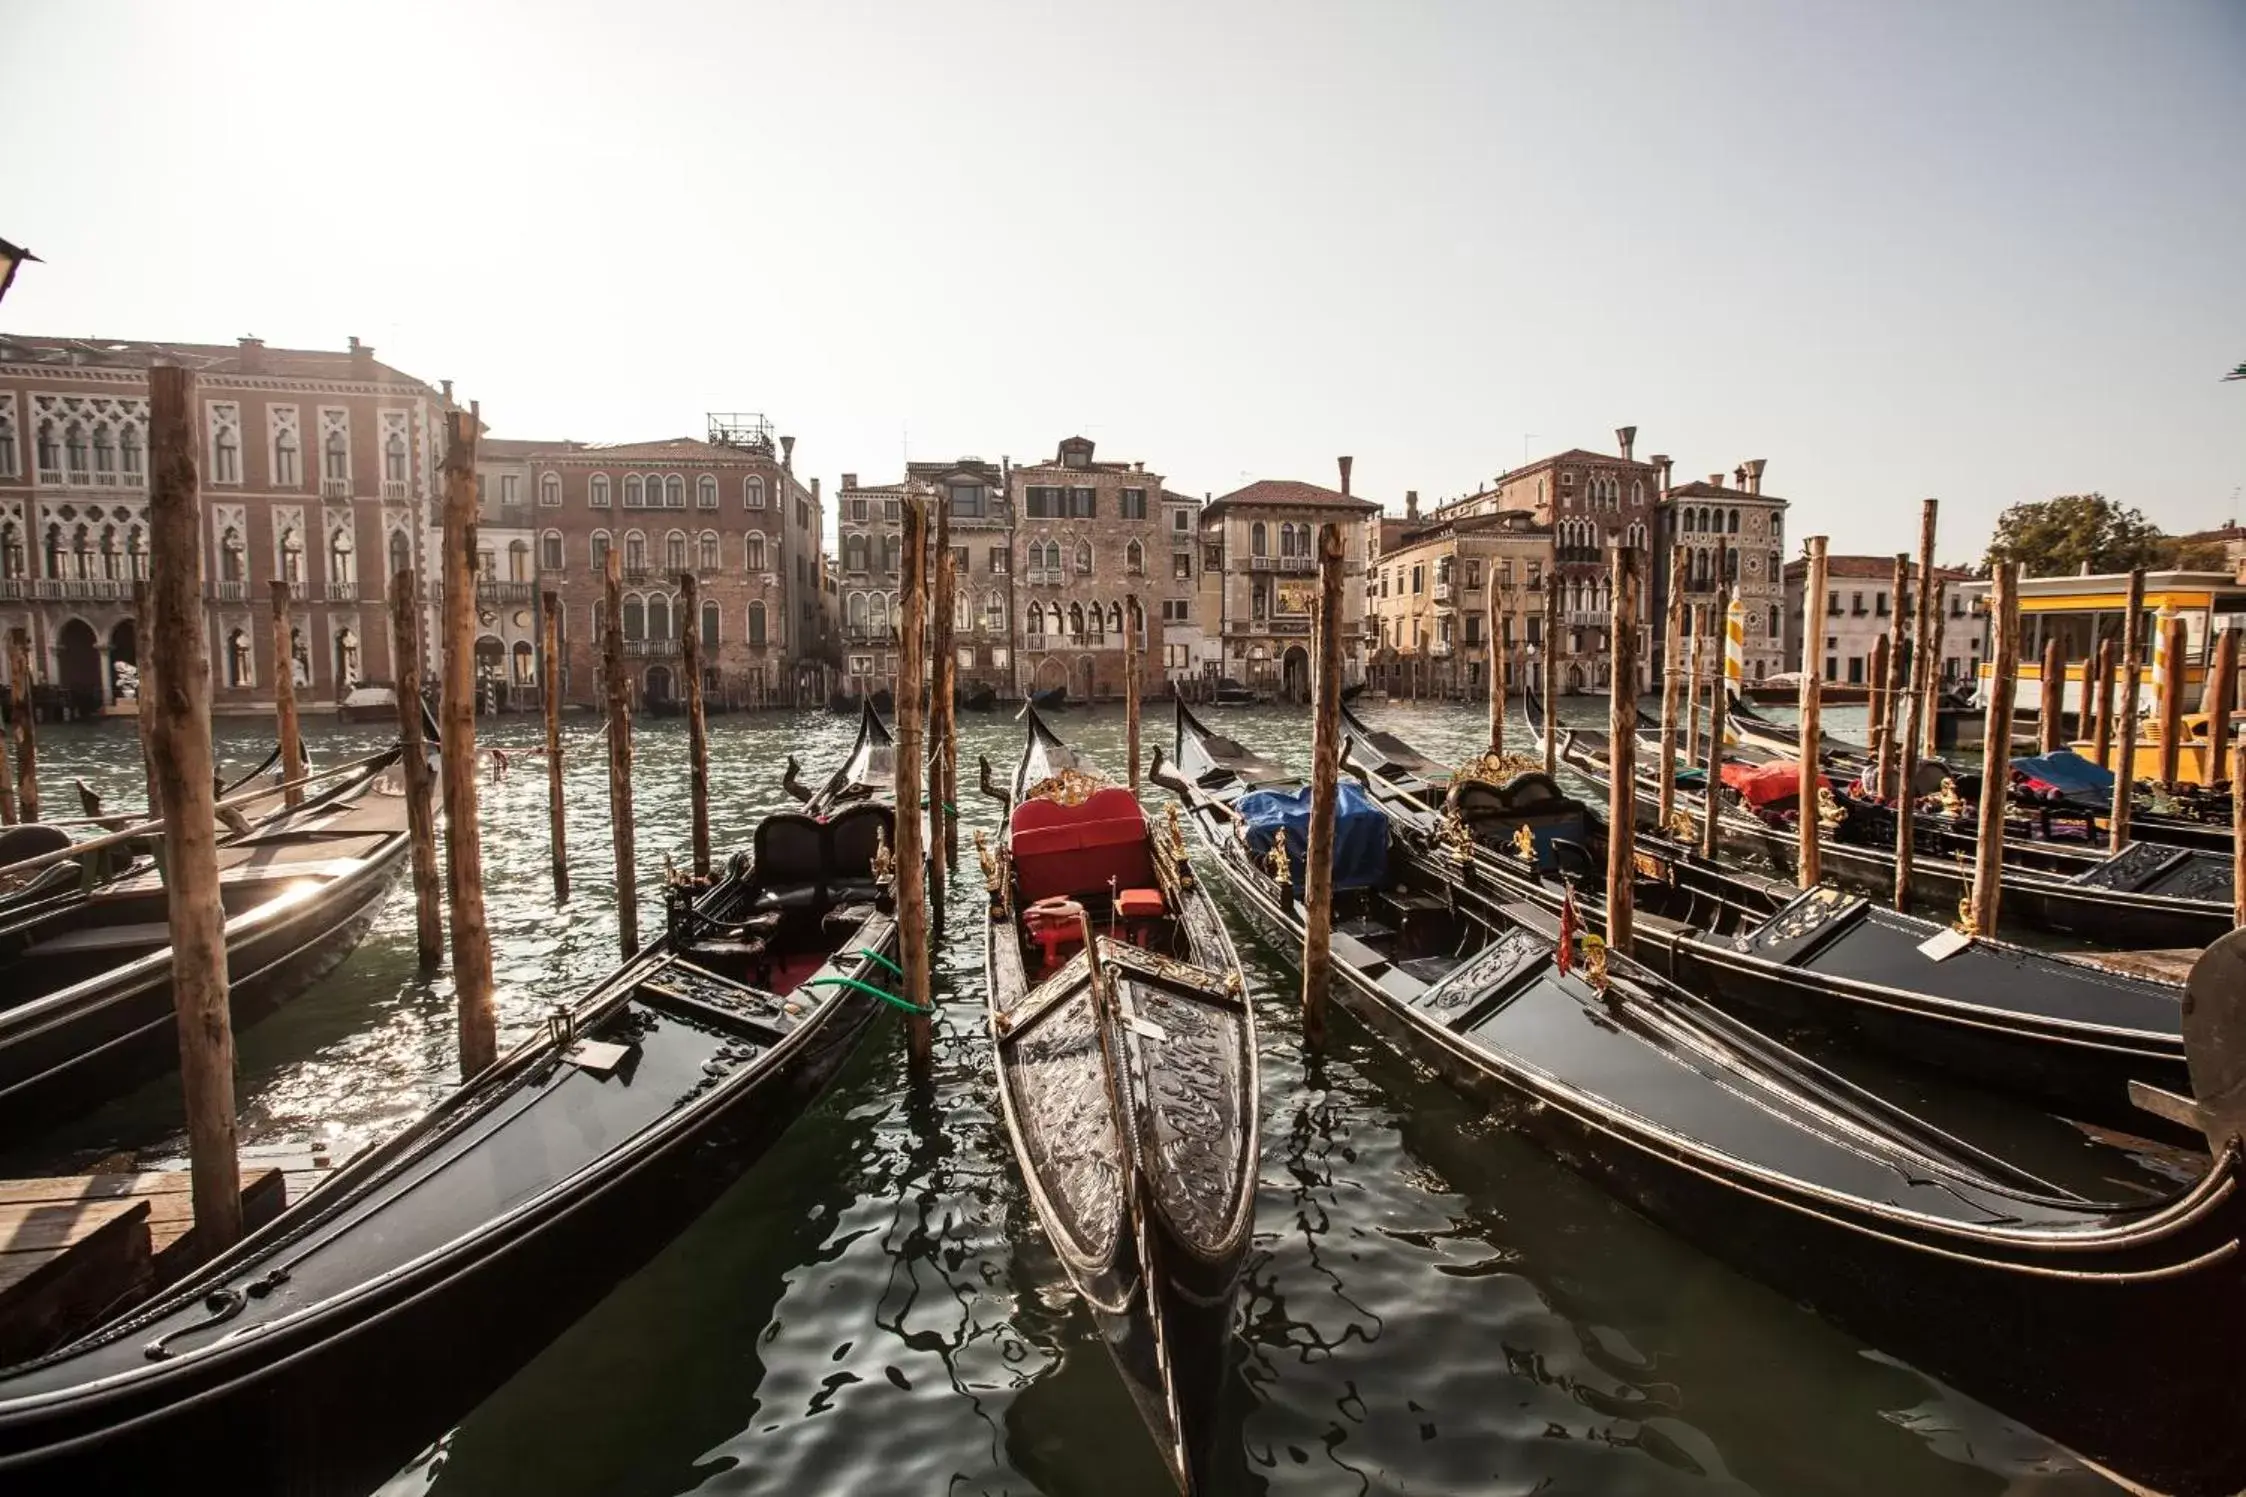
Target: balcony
[1588, 618]
[651, 649]
[1439, 649]
[343, 592]
[230, 592]
[340, 488]
[490, 590]
[1298, 563]
[1044, 577]
[1445, 592]
[395, 488]
[1578, 555]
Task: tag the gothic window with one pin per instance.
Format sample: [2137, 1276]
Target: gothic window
[105, 455]
[878, 614]
[401, 552]
[549, 491]
[659, 617]
[597, 493]
[1115, 619]
[1134, 559]
[674, 552]
[338, 459]
[756, 624]
[1258, 542]
[7, 437]
[238, 666]
[1034, 622]
[12, 558]
[292, 556]
[708, 548]
[1084, 558]
[288, 469]
[1095, 630]
[994, 613]
[1076, 622]
[710, 616]
[550, 551]
[346, 659]
[635, 618]
[394, 458]
[50, 455]
[1774, 618]
[705, 492]
[233, 565]
[752, 491]
[129, 453]
[342, 563]
[674, 492]
[752, 553]
[1733, 525]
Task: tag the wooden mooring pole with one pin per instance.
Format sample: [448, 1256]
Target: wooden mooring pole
[943, 684]
[464, 857]
[1891, 698]
[2238, 834]
[2220, 699]
[1622, 740]
[1496, 667]
[1881, 715]
[1694, 687]
[1325, 777]
[2054, 672]
[140, 700]
[26, 728]
[1929, 740]
[619, 697]
[697, 727]
[912, 854]
[1996, 750]
[179, 710]
[550, 690]
[284, 696]
[1551, 664]
[1714, 788]
[2101, 722]
[1808, 859]
[421, 816]
[1672, 670]
[1914, 724]
[2172, 652]
[2132, 676]
[1131, 680]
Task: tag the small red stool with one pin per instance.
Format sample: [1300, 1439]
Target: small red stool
[1139, 904]
[1054, 923]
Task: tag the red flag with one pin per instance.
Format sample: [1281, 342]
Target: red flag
[1565, 956]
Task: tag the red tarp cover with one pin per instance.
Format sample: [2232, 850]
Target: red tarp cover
[1761, 784]
[1077, 849]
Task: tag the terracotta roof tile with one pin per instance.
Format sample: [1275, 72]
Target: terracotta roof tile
[1291, 494]
[21, 349]
[668, 449]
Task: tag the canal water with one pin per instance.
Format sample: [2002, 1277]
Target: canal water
[1430, 1305]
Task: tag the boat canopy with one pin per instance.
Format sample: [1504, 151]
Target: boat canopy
[1360, 832]
[2067, 772]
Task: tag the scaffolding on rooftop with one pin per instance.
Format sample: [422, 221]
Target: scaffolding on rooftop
[749, 430]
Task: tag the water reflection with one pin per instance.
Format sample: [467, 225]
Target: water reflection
[1431, 1306]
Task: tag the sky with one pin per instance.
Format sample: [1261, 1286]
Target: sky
[1988, 252]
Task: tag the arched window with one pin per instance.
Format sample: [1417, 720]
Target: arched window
[239, 668]
[635, 551]
[674, 492]
[756, 623]
[394, 457]
[128, 449]
[674, 552]
[105, 455]
[549, 491]
[635, 618]
[598, 553]
[752, 552]
[708, 560]
[711, 614]
[752, 492]
[659, 617]
[401, 553]
[14, 562]
[855, 611]
[853, 552]
[526, 663]
[343, 561]
[1774, 620]
[1033, 622]
[1689, 525]
[597, 492]
[286, 470]
[1084, 558]
[878, 613]
[1731, 566]
[1076, 621]
[1115, 619]
[550, 558]
[1733, 525]
[1134, 559]
[994, 613]
[631, 491]
[518, 561]
[892, 553]
[1258, 540]
[346, 659]
[1095, 630]
[337, 458]
[705, 492]
[226, 455]
[233, 565]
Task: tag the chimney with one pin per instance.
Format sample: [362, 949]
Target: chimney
[1661, 463]
[1411, 502]
[1626, 437]
[1345, 462]
[362, 360]
[814, 489]
[252, 357]
[1754, 467]
[1739, 477]
[787, 453]
[1715, 480]
[1138, 466]
[448, 391]
[849, 482]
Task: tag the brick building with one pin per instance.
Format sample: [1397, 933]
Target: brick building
[1751, 527]
[507, 573]
[1189, 652]
[870, 521]
[1086, 535]
[317, 466]
[731, 510]
[1429, 598]
[1859, 608]
[1259, 579]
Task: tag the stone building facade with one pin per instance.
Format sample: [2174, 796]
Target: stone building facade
[1747, 527]
[1429, 600]
[1858, 609]
[507, 627]
[1088, 534]
[870, 571]
[316, 466]
[729, 509]
[1259, 579]
[1189, 652]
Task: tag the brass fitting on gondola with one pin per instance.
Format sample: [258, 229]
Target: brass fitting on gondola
[1595, 963]
[1680, 824]
[1830, 812]
[1524, 845]
[1173, 828]
[1282, 868]
[884, 860]
[1953, 804]
[1453, 837]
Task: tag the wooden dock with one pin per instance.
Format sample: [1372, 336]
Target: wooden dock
[75, 1249]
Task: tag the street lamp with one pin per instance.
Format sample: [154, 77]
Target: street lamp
[10, 258]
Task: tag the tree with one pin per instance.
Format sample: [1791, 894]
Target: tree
[2058, 537]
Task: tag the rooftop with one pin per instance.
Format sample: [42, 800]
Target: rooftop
[248, 358]
[1878, 568]
[1289, 493]
[665, 449]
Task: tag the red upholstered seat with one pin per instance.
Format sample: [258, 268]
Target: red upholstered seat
[1077, 849]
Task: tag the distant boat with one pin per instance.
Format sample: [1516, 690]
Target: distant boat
[980, 697]
[1231, 693]
[1051, 699]
[368, 704]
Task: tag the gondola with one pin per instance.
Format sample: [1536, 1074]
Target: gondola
[326, 1348]
[979, 696]
[2107, 1326]
[1051, 699]
[86, 973]
[2067, 1035]
[1126, 1053]
[2146, 895]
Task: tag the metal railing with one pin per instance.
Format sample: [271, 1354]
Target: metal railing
[493, 591]
[660, 649]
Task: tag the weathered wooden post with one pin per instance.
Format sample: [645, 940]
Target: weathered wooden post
[2222, 688]
[1672, 668]
[697, 726]
[27, 732]
[1697, 685]
[1881, 715]
[464, 856]
[284, 696]
[1551, 665]
[142, 660]
[2101, 725]
[912, 855]
[180, 737]
[1808, 866]
[413, 755]
[2054, 670]
[1922, 647]
[2172, 651]
[1716, 705]
[1622, 738]
[1929, 742]
[1996, 751]
[557, 806]
[619, 689]
[1131, 680]
[1325, 777]
[1496, 668]
[1895, 677]
[2238, 834]
[2132, 676]
[942, 682]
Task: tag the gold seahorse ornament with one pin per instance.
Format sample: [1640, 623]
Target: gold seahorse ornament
[1524, 845]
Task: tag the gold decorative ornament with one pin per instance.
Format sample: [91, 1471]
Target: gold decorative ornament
[1452, 836]
[884, 861]
[1497, 769]
[1830, 812]
[1524, 845]
[1595, 963]
[1680, 824]
[1953, 804]
[994, 879]
[1174, 829]
[1282, 867]
[1070, 787]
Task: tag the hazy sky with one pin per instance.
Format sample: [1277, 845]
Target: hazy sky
[1986, 251]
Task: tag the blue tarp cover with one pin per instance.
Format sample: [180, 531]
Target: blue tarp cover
[2069, 771]
[1360, 832]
